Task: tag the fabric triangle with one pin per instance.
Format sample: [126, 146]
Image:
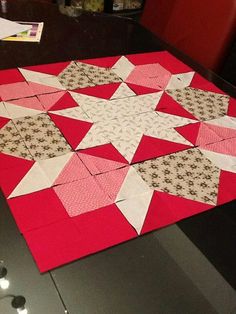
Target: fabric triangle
[3, 121]
[12, 176]
[106, 62]
[168, 105]
[166, 209]
[66, 101]
[100, 91]
[206, 135]
[123, 91]
[107, 151]
[9, 161]
[179, 81]
[232, 107]
[34, 180]
[141, 90]
[31, 103]
[135, 209]
[53, 166]
[200, 82]
[223, 132]
[73, 130]
[190, 131]
[19, 111]
[10, 76]
[226, 191]
[3, 111]
[42, 89]
[32, 76]
[151, 147]
[98, 165]
[111, 182]
[74, 170]
[49, 100]
[226, 147]
[132, 186]
[53, 68]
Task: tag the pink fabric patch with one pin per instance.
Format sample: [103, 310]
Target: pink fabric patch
[10, 76]
[37, 209]
[223, 132]
[112, 181]
[73, 130]
[15, 91]
[168, 105]
[66, 101]
[226, 147]
[82, 196]
[49, 100]
[73, 171]
[42, 89]
[206, 135]
[32, 103]
[150, 75]
[98, 165]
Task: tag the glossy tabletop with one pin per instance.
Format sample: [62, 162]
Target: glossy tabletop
[186, 268]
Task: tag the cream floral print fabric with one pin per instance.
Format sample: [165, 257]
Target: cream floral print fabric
[11, 142]
[203, 105]
[188, 174]
[80, 75]
[41, 136]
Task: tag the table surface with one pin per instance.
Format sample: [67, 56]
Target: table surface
[185, 268]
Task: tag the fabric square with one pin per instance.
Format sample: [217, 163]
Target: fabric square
[203, 105]
[15, 91]
[150, 75]
[41, 136]
[82, 196]
[188, 174]
[37, 209]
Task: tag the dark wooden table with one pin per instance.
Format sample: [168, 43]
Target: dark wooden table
[141, 276]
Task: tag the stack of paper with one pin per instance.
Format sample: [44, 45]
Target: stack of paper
[8, 28]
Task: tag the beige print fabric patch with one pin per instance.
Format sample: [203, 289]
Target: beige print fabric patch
[203, 105]
[188, 174]
[41, 136]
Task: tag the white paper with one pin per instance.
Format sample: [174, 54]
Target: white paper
[9, 28]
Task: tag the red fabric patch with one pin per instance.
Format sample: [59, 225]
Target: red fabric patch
[151, 147]
[106, 62]
[232, 107]
[37, 209]
[68, 240]
[168, 105]
[100, 91]
[226, 191]
[53, 68]
[73, 130]
[141, 90]
[189, 131]
[166, 209]
[164, 58]
[200, 82]
[66, 101]
[10, 76]
[3, 121]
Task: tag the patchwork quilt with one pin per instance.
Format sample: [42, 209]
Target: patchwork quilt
[97, 152]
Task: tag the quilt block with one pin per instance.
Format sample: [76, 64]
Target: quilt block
[97, 152]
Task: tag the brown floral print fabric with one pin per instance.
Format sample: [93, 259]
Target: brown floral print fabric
[203, 105]
[187, 173]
